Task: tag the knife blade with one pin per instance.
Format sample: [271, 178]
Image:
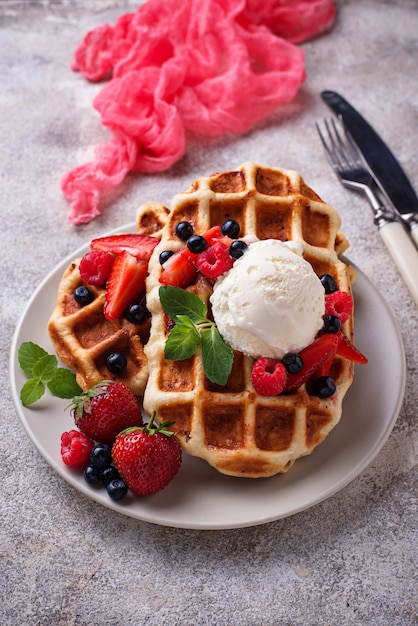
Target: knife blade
[384, 167]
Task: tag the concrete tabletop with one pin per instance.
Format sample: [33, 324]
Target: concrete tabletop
[67, 560]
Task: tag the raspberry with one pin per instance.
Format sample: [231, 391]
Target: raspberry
[215, 260]
[340, 304]
[95, 267]
[76, 448]
[268, 377]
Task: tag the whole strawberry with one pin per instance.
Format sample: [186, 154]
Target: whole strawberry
[147, 458]
[105, 410]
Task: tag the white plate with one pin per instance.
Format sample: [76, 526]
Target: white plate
[199, 497]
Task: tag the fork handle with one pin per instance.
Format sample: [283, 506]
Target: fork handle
[403, 252]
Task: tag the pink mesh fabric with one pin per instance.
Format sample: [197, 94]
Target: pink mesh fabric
[208, 66]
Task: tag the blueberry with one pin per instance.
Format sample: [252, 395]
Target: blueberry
[196, 244]
[91, 475]
[328, 283]
[117, 489]
[137, 313]
[237, 248]
[184, 230]
[101, 456]
[116, 362]
[292, 362]
[230, 228]
[332, 324]
[324, 387]
[82, 295]
[164, 255]
[109, 473]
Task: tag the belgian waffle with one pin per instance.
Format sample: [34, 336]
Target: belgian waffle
[84, 338]
[237, 431]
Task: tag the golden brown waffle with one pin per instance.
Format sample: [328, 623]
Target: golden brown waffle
[84, 338]
[237, 431]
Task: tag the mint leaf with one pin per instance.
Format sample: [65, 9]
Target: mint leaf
[28, 354]
[31, 391]
[177, 302]
[217, 356]
[182, 342]
[64, 384]
[45, 368]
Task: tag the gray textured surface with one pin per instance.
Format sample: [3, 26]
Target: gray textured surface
[66, 560]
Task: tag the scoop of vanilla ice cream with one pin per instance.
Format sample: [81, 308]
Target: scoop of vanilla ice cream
[271, 302]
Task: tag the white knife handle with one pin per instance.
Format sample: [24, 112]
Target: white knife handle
[403, 252]
[414, 234]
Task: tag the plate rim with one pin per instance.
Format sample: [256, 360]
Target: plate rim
[70, 478]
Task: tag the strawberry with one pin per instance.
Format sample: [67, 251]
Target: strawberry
[147, 458]
[95, 267]
[140, 246]
[215, 260]
[76, 448]
[347, 350]
[214, 234]
[105, 410]
[125, 284]
[180, 269]
[268, 377]
[313, 357]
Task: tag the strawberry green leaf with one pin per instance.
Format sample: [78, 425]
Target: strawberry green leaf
[31, 391]
[45, 368]
[182, 342]
[177, 302]
[64, 384]
[28, 354]
[217, 356]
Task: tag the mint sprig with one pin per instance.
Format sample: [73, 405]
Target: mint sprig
[43, 372]
[193, 329]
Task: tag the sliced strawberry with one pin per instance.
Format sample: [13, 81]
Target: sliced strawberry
[140, 246]
[180, 269]
[347, 350]
[313, 356]
[125, 284]
[214, 234]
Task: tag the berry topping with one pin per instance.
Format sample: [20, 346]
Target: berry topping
[116, 362]
[196, 244]
[339, 303]
[324, 387]
[164, 255]
[82, 295]
[237, 248]
[231, 228]
[95, 267]
[328, 283]
[105, 410]
[76, 448]
[101, 456]
[147, 458]
[215, 260]
[137, 312]
[125, 284]
[140, 246]
[313, 357]
[332, 324]
[180, 269]
[117, 489]
[347, 350]
[268, 377]
[292, 362]
[184, 230]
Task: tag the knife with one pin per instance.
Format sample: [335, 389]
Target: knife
[385, 169]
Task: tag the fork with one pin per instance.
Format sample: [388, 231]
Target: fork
[346, 162]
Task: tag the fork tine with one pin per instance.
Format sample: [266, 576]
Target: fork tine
[329, 153]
